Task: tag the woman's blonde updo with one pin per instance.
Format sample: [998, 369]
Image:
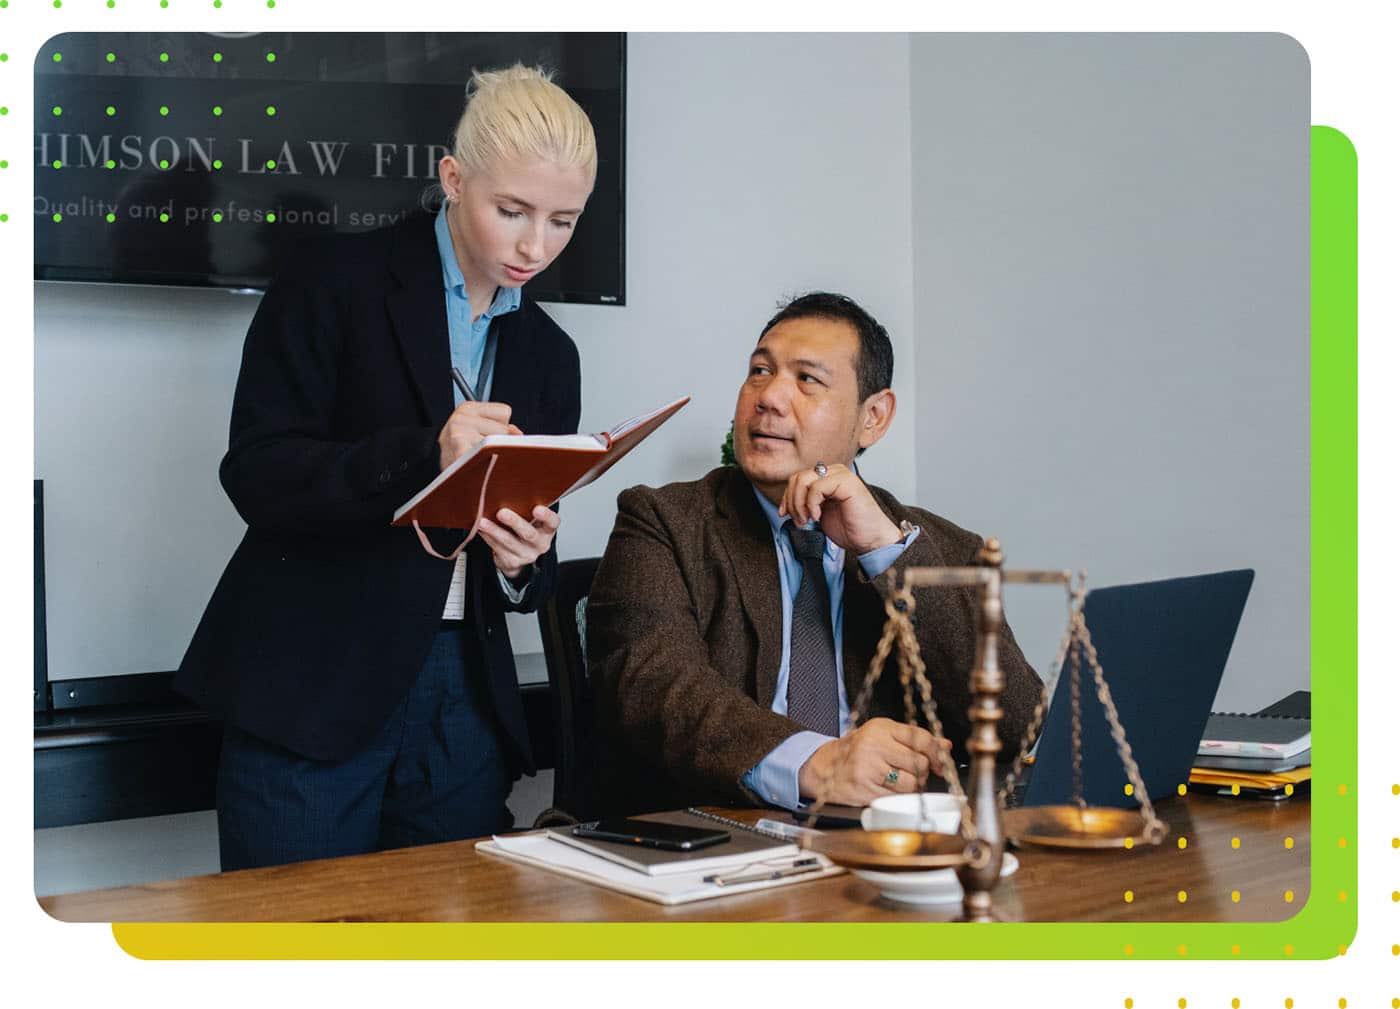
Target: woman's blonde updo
[520, 114]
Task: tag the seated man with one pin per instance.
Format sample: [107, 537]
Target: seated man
[733, 618]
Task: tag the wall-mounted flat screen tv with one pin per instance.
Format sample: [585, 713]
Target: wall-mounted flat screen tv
[203, 159]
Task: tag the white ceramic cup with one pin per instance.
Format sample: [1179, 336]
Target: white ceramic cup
[932, 811]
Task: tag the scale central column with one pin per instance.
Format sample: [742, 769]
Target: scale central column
[986, 684]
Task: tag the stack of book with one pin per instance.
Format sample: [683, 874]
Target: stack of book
[750, 859]
[1266, 755]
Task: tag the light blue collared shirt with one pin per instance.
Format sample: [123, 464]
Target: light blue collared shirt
[467, 335]
[775, 776]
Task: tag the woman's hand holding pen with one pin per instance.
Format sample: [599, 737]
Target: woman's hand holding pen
[468, 424]
[515, 543]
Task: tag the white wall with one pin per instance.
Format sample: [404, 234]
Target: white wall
[746, 182]
[1111, 293]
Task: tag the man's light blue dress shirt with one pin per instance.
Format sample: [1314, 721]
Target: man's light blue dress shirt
[775, 776]
[468, 335]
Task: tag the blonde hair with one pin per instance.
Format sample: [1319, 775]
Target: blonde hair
[519, 114]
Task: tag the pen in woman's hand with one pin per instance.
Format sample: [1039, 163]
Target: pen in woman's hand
[462, 386]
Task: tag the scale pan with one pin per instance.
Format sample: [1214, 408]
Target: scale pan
[1073, 827]
[890, 850]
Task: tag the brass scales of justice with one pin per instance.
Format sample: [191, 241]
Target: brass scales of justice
[975, 852]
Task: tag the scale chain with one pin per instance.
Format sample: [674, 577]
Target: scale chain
[1155, 829]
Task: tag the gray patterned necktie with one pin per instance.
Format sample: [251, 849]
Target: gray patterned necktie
[811, 687]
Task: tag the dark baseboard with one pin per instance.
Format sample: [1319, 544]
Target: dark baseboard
[118, 747]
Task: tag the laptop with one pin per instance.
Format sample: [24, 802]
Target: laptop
[1162, 646]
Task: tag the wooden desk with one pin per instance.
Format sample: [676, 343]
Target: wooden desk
[451, 882]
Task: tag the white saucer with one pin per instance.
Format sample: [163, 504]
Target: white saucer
[937, 886]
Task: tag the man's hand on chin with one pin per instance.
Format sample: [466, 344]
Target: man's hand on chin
[840, 501]
[859, 764]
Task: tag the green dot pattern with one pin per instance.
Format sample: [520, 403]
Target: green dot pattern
[165, 110]
[218, 57]
[218, 217]
[57, 218]
[272, 110]
[218, 164]
[111, 57]
[164, 163]
[111, 163]
[111, 218]
[111, 4]
[58, 57]
[57, 163]
[271, 218]
[271, 163]
[58, 110]
[165, 57]
[272, 57]
[4, 110]
[111, 110]
[218, 110]
[4, 164]
[4, 57]
[164, 218]
[4, 217]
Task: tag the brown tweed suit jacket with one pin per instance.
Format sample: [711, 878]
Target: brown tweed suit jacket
[685, 641]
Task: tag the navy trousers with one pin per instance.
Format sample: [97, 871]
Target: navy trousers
[437, 771]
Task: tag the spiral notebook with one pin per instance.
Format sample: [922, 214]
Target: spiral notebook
[1239, 735]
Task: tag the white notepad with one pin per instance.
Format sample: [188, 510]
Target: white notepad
[540, 849]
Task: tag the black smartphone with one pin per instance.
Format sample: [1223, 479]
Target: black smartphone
[650, 834]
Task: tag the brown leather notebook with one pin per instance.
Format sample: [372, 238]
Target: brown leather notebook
[521, 471]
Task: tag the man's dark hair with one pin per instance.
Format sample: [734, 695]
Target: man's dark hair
[875, 358]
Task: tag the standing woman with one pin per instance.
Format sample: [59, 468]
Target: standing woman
[368, 689]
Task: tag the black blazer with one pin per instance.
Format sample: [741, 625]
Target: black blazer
[325, 613]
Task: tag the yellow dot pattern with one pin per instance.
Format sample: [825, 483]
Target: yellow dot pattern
[1127, 1003]
[1288, 896]
[1288, 843]
[1288, 1003]
[1234, 896]
[1181, 1003]
[1181, 950]
[1181, 896]
[1127, 896]
[1234, 1003]
[1181, 842]
[1235, 843]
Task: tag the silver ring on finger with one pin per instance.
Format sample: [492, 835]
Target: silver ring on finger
[820, 469]
[892, 778]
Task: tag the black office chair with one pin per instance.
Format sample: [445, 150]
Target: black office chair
[562, 628]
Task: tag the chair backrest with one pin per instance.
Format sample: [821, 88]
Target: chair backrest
[562, 629]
